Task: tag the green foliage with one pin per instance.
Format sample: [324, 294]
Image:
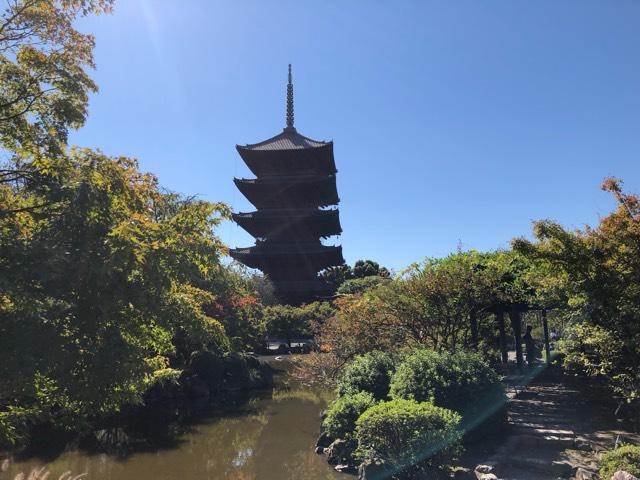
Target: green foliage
[370, 373]
[44, 86]
[288, 321]
[359, 285]
[404, 433]
[343, 412]
[597, 272]
[341, 274]
[625, 458]
[209, 367]
[462, 382]
[368, 268]
[236, 369]
[14, 425]
[94, 294]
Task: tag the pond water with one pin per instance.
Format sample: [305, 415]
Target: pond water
[270, 437]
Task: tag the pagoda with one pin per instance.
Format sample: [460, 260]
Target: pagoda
[293, 192]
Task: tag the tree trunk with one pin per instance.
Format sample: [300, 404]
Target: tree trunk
[503, 337]
[516, 324]
[547, 347]
[473, 318]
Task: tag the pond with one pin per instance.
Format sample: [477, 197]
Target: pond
[271, 437]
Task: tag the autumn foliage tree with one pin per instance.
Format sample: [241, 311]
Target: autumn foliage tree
[598, 272]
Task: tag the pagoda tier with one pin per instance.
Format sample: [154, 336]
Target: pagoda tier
[289, 153]
[295, 177]
[298, 223]
[301, 290]
[287, 191]
[301, 256]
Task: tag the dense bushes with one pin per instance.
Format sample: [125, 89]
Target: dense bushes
[436, 398]
[342, 414]
[370, 372]
[403, 433]
[462, 382]
[626, 458]
[208, 366]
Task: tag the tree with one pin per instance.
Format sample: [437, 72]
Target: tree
[93, 294]
[287, 321]
[44, 85]
[598, 272]
[368, 268]
[338, 275]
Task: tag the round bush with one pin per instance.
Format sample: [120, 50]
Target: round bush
[343, 412]
[402, 433]
[370, 372]
[462, 382]
[626, 458]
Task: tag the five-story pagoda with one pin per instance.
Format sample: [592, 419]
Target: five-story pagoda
[296, 182]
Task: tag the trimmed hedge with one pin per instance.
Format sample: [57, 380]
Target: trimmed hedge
[461, 381]
[370, 372]
[343, 412]
[404, 433]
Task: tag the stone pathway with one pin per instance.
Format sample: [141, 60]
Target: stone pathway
[554, 430]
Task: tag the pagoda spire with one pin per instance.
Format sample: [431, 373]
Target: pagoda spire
[290, 127]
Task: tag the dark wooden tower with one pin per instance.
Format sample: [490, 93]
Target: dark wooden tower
[295, 185]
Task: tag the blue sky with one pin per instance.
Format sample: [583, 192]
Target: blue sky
[453, 122]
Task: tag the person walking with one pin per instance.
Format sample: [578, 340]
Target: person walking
[530, 345]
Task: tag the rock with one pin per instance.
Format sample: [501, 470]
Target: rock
[112, 438]
[481, 470]
[339, 452]
[622, 475]
[583, 446]
[462, 473]
[561, 469]
[584, 474]
[369, 470]
[345, 468]
[324, 440]
[319, 450]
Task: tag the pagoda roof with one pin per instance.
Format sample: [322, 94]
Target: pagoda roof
[289, 139]
[303, 255]
[261, 223]
[281, 191]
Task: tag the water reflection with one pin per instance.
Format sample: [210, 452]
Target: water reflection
[271, 437]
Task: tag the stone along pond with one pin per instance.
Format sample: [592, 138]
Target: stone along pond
[271, 436]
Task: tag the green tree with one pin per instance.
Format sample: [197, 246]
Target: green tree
[596, 272]
[92, 295]
[44, 85]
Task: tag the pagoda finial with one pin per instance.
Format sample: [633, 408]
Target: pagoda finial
[290, 103]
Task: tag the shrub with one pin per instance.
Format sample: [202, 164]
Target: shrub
[15, 423]
[370, 372]
[208, 366]
[343, 412]
[236, 370]
[359, 285]
[625, 458]
[462, 382]
[402, 433]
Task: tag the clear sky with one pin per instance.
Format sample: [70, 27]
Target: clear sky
[452, 121]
